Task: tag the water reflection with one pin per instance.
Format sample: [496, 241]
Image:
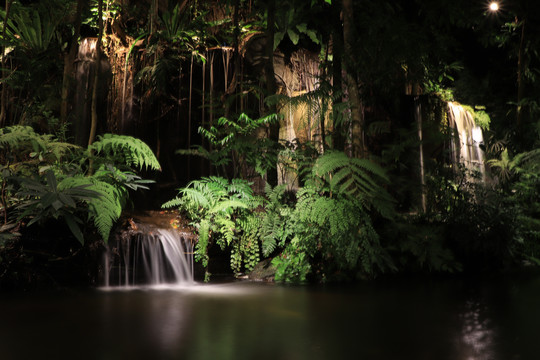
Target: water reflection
[384, 320]
[477, 334]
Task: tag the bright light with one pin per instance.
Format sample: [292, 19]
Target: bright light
[494, 6]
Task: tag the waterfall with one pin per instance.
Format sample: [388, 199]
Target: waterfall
[466, 140]
[149, 257]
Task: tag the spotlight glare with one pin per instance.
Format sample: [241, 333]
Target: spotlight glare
[494, 6]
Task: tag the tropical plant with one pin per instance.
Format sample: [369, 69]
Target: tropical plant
[46, 179]
[359, 179]
[236, 143]
[122, 149]
[221, 212]
[33, 28]
[21, 143]
[326, 230]
[520, 177]
[54, 200]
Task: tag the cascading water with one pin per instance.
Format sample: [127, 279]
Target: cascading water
[147, 255]
[465, 144]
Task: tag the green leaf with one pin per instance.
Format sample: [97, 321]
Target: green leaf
[74, 227]
[302, 28]
[294, 36]
[278, 36]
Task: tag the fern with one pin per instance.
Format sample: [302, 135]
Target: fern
[26, 144]
[177, 202]
[358, 179]
[201, 248]
[226, 228]
[14, 136]
[228, 207]
[219, 209]
[198, 197]
[132, 151]
[104, 209]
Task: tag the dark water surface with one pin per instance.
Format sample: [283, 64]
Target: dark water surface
[397, 319]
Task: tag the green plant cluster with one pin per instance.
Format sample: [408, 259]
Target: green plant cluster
[239, 145]
[223, 214]
[45, 179]
[481, 118]
[324, 230]
[329, 232]
[520, 188]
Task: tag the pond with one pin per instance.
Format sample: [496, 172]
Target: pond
[385, 319]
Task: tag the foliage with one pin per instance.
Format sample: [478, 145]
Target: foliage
[238, 142]
[477, 223]
[292, 20]
[276, 226]
[126, 150]
[520, 178]
[20, 143]
[54, 200]
[46, 179]
[292, 265]
[326, 229]
[355, 178]
[481, 118]
[222, 212]
[106, 207]
[33, 28]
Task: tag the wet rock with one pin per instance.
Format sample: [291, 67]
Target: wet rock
[263, 271]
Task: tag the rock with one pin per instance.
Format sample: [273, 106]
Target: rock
[263, 271]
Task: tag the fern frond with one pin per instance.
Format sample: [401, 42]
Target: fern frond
[241, 188]
[14, 136]
[228, 206]
[226, 228]
[60, 149]
[201, 248]
[529, 158]
[104, 209]
[269, 233]
[173, 203]
[132, 150]
[196, 197]
[330, 162]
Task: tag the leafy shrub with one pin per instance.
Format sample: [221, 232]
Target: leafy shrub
[222, 212]
[328, 231]
[47, 179]
[236, 143]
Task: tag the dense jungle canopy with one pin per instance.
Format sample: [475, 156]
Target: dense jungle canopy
[314, 134]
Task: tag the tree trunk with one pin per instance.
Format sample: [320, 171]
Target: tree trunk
[272, 176]
[69, 60]
[520, 72]
[93, 126]
[3, 94]
[338, 139]
[358, 146]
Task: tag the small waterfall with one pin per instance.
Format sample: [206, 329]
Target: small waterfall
[465, 144]
[149, 256]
